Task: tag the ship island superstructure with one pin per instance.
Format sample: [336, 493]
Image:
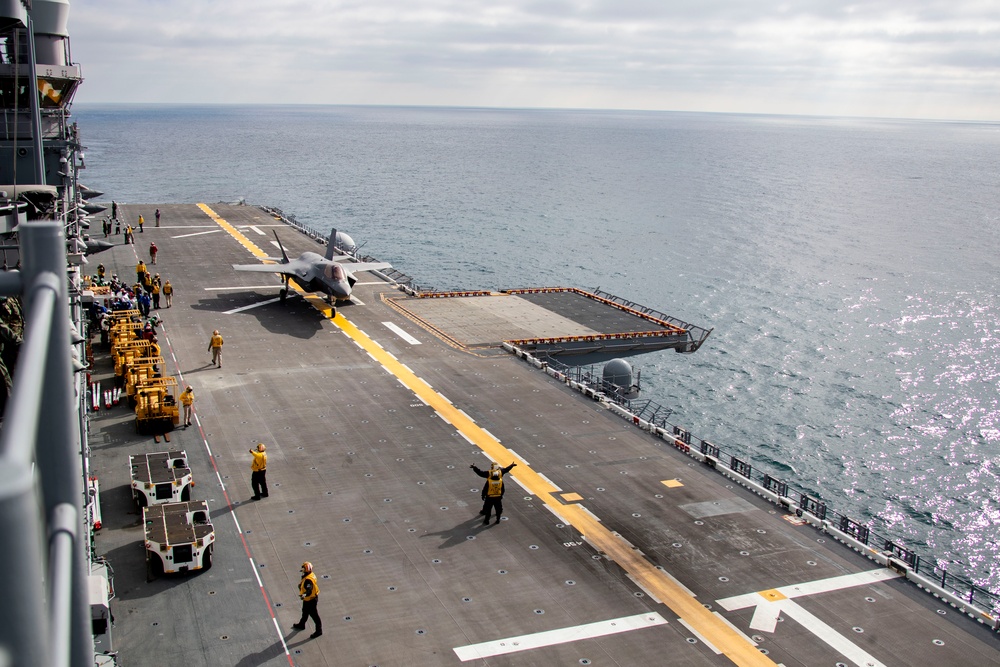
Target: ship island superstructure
[133, 539]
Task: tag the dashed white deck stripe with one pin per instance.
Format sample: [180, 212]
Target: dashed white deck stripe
[391, 326]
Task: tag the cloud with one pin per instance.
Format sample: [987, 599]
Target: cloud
[885, 57]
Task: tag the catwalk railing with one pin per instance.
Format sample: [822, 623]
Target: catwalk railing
[977, 601]
[45, 617]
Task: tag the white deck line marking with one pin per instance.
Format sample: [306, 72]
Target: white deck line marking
[526, 489]
[767, 610]
[550, 482]
[559, 636]
[519, 457]
[765, 616]
[257, 229]
[253, 566]
[184, 236]
[467, 438]
[811, 588]
[555, 512]
[278, 630]
[735, 629]
[837, 583]
[464, 414]
[645, 590]
[491, 435]
[242, 287]
[250, 307]
[682, 586]
[276, 244]
[592, 515]
[836, 641]
[701, 638]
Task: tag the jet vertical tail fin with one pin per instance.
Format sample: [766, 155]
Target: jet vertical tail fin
[284, 256]
[331, 243]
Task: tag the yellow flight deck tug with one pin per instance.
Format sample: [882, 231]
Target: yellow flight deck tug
[160, 477]
[179, 537]
[156, 408]
[140, 371]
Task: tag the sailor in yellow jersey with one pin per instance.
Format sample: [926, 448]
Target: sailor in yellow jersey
[187, 400]
[168, 292]
[215, 347]
[258, 472]
[309, 594]
[493, 490]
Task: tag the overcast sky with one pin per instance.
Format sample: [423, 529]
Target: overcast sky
[889, 58]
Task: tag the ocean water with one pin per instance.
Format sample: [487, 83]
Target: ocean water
[848, 267]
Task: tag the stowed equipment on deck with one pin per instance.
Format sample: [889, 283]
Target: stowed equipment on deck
[156, 408]
[179, 537]
[138, 372]
[160, 477]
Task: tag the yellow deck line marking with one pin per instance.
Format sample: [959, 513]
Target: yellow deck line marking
[732, 644]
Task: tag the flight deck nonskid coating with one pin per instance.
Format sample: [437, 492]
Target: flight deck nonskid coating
[615, 548]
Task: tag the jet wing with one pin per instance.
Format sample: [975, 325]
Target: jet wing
[289, 269]
[261, 268]
[366, 266]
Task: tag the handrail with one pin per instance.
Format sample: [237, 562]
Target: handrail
[45, 618]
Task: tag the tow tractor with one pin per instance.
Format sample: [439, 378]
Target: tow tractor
[179, 537]
[160, 477]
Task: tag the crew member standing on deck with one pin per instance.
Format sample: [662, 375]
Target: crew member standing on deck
[157, 217]
[309, 594]
[215, 347]
[258, 472]
[152, 252]
[168, 292]
[142, 221]
[187, 400]
[493, 489]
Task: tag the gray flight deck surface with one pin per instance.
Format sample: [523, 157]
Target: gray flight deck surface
[369, 480]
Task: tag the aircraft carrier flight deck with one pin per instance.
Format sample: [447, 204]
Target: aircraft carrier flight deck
[615, 548]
